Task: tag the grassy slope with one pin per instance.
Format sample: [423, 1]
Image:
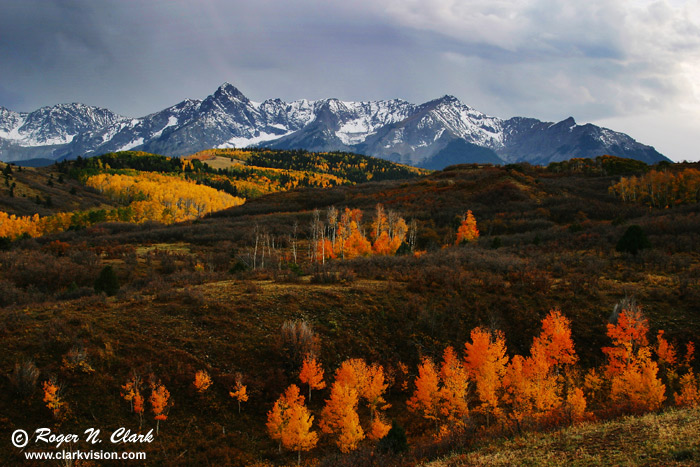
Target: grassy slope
[671, 438]
[33, 182]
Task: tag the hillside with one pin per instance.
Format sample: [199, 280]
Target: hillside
[137, 187]
[221, 293]
[669, 439]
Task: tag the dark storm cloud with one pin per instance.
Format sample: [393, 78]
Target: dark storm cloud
[601, 59]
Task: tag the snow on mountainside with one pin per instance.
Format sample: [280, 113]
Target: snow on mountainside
[432, 135]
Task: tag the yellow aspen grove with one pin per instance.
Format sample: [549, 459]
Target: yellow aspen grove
[167, 198]
[312, 374]
[202, 381]
[297, 434]
[160, 403]
[467, 231]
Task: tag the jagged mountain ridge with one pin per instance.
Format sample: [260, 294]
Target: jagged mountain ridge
[431, 135]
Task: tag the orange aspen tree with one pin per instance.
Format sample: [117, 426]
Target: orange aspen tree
[160, 403]
[374, 388]
[339, 417]
[370, 384]
[532, 384]
[485, 360]
[128, 392]
[689, 353]
[297, 434]
[202, 381]
[350, 241]
[131, 392]
[52, 397]
[689, 394]
[278, 417]
[576, 406]
[138, 406]
[554, 342]
[635, 386]
[665, 350]
[312, 374]
[353, 373]
[239, 392]
[426, 397]
[628, 335]
[373, 392]
[455, 385]
[467, 231]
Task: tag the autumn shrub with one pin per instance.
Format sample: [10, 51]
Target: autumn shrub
[24, 378]
[107, 281]
[633, 240]
[296, 339]
[10, 294]
[74, 291]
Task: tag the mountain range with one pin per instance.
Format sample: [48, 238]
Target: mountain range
[432, 135]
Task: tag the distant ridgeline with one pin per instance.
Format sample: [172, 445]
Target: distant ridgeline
[150, 187]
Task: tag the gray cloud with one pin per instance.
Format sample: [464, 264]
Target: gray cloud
[600, 60]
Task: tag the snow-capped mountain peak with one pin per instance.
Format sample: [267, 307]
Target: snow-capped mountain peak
[434, 134]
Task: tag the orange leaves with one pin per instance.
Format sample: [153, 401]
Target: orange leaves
[354, 380]
[160, 403]
[467, 231]
[689, 394]
[665, 351]
[52, 397]
[297, 435]
[239, 392]
[378, 429]
[637, 388]
[485, 361]
[554, 342]
[576, 406]
[289, 421]
[533, 386]
[426, 397]
[628, 335]
[202, 381]
[660, 188]
[339, 416]
[131, 392]
[312, 374]
[346, 237]
[455, 384]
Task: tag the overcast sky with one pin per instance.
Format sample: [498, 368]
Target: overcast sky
[631, 65]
